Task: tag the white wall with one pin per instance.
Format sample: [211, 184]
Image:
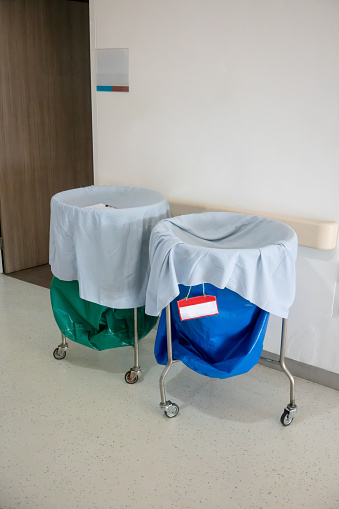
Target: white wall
[232, 102]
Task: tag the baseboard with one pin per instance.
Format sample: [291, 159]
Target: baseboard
[312, 373]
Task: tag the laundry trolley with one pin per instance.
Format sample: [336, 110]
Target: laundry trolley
[219, 275]
[99, 240]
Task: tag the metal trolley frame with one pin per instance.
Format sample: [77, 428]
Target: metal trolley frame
[172, 409]
[131, 377]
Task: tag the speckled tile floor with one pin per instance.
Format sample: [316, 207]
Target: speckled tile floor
[75, 435]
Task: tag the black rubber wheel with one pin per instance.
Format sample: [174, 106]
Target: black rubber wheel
[172, 411]
[57, 356]
[131, 377]
[286, 418]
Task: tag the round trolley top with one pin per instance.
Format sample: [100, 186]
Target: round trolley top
[253, 256]
[99, 235]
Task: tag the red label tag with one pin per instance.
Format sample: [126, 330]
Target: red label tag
[197, 307]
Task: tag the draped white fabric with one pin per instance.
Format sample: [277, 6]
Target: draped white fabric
[250, 255]
[105, 248]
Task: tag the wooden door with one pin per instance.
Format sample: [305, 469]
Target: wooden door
[45, 119]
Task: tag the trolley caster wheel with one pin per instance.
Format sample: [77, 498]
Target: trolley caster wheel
[59, 356]
[131, 377]
[286, 418]
[172, 410]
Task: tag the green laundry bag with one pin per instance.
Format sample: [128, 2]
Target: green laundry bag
[91, 324]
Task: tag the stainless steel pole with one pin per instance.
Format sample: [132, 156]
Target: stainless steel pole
[282, 360]
[169, 354]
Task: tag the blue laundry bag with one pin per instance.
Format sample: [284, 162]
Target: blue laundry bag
[219, 346]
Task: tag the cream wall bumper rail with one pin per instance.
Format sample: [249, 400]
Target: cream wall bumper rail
[311, 233]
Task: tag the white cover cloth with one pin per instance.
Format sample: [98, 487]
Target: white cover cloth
[105, 249]
[253, 256]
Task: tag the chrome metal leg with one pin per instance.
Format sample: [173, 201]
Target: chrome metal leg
[132, 376]
[60, 352]
[282, 360]
[170, 409]
[63, 341]
[169, 355]
[136, 343]
[291, 409]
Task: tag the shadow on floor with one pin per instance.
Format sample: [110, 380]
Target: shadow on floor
[40, 276]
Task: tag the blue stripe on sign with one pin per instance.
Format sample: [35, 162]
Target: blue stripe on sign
[103, 88]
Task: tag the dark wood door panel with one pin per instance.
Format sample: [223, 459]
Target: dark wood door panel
[45, 128]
